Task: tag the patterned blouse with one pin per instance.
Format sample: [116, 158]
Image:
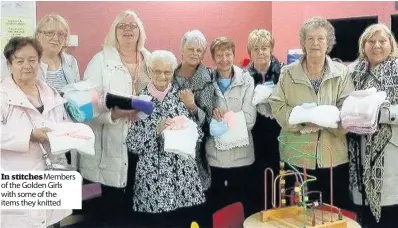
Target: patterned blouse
[163, 181]
[202, 87]
[316, 84]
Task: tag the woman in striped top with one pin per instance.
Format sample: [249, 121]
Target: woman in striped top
[57, 68]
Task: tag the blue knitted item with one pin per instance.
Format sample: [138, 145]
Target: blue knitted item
[74, 112]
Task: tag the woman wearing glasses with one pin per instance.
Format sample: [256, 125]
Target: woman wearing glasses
[120, 68]
[57, 67]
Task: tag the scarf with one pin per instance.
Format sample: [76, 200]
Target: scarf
[368, 176]
[272, 74]
[160, 95]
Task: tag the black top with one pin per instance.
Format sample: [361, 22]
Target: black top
[40, 109]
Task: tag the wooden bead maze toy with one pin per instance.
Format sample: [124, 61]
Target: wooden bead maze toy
[295, 209]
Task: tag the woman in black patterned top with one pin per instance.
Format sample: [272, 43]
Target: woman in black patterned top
[167, 188]
[193, 80]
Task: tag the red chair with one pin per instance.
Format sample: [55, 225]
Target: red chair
[231, 216]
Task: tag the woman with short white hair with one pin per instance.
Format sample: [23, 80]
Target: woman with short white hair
[193, 79]
[167, 188]
[120, 68]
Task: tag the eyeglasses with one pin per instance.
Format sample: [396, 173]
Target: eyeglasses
[124, 26]
[51, 34]
[159, 72]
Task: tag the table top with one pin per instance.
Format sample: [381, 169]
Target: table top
[254, 221]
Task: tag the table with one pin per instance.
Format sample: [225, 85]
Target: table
[254, 221]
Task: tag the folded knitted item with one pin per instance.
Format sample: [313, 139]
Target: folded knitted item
[363, 103]
[218, 128]
[262, 93]
[360, 111]
[83, 101]
[67, 136]
[235, 136]
[140, 103]
[181, 137]
[323, 115]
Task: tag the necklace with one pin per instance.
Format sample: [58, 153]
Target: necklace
[134, 70]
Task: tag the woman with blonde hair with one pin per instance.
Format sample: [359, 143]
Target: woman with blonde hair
[120, 68]
[265, 68]
[57, 68]
[373, 170]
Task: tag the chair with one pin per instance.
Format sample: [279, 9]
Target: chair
[231, 216]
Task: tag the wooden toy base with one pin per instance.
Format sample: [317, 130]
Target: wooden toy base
[299, 217]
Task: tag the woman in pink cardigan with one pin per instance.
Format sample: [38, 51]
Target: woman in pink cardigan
[27, 105]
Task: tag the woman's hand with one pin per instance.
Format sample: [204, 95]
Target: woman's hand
[187, 97]
[163, 124]
[117, 113]
[40, 134]
[218, 114]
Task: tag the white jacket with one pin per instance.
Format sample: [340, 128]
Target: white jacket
[109, 166]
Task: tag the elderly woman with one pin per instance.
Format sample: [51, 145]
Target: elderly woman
[377, 67]
[315, 78]
[233, 92]
[167, 185]
[193, 80]
[264, 68]
[120, 68]
[26, 104]
[57, 67]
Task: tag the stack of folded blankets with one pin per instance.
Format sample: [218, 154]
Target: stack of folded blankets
[181, 137]
[327, 116]
[361, 109]
[235, 135]
[260, 98]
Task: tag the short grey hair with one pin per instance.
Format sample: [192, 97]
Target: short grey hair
[163, 55]
[111, 39]
[318, 22]
[194, 36]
